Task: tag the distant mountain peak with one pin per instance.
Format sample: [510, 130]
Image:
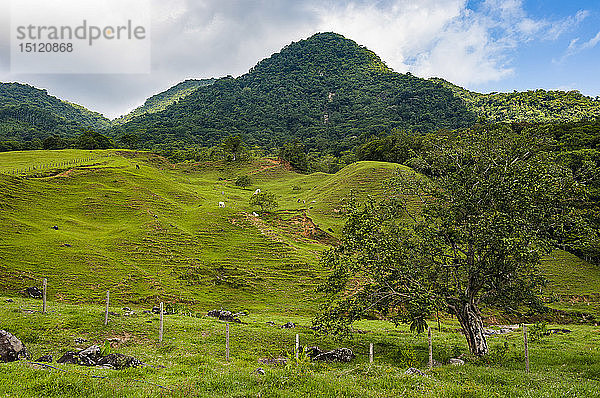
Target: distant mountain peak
[326, 53]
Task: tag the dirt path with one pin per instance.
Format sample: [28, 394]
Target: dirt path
[274, 163]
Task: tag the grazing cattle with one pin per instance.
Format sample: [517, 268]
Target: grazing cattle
[257, 191]
[221, 204]
[255, 214]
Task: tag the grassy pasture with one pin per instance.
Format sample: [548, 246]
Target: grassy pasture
[194, 364]
[146, 229]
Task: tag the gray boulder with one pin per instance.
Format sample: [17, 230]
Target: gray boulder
[92, 356]
[33, 292]
[45, 358]
[414, 372]
[223, 315]
[312, 352]
[118, 361]
[87, 357]
[337, 355]
[11, 348]
[68, 357]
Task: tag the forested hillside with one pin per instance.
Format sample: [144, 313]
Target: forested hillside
[30, 115]
[160, 101]
[533, 106]
[325, 91]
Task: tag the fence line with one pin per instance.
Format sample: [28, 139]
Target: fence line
[297, 336]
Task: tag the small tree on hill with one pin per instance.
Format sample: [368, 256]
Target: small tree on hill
[265, 200]
[232, 145]
[243, 181]
[476, 238]
[293, 152]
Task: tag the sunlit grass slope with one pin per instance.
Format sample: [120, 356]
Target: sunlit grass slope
[157, 231]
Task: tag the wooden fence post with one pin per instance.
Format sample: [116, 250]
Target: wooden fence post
[227, 342]
[526, 348]
[44, 285]
[430, 348]
[297, 345]
[160, 329]
[106, 312]
[370, 352]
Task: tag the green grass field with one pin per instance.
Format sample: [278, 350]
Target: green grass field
[151, 231]
[157, 231]
[193, 356]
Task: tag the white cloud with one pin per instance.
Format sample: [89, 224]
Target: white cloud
[575, 47]
[559, 27]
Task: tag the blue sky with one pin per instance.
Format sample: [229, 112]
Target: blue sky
[565, 62]
[483, 45]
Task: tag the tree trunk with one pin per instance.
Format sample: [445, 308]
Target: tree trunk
[472, 326]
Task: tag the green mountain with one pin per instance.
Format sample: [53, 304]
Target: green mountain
[30, 114]
[160, 101]
[325, 91]
[532, 106]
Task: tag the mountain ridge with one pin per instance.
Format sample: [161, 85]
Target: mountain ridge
[322, 89]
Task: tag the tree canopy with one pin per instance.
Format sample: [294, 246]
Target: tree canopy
[470, 235]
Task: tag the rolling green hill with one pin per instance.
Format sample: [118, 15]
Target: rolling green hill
[158, 231]
[160, 101]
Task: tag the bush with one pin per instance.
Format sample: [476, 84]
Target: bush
[265, 200]
[538, 330]
[243, 181]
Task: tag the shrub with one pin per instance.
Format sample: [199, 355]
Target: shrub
[243, 181]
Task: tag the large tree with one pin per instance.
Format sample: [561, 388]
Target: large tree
[470, 234]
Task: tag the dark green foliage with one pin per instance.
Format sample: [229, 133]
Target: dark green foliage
[397, 147]
[266, 200]
[90, 139]
[293, 153]
[324, 91]
[129, 140]
[160, 101]
[243, 181]
[232, 146]
[493, 205]
[533, 106]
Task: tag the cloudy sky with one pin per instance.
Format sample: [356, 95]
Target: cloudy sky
[484, 45]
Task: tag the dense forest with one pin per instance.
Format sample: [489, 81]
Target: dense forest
[160, 101]
[323, 96]
[533, 106]
[29, 115]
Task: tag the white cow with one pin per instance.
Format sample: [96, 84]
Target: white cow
[257, 191]
[221, 204]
